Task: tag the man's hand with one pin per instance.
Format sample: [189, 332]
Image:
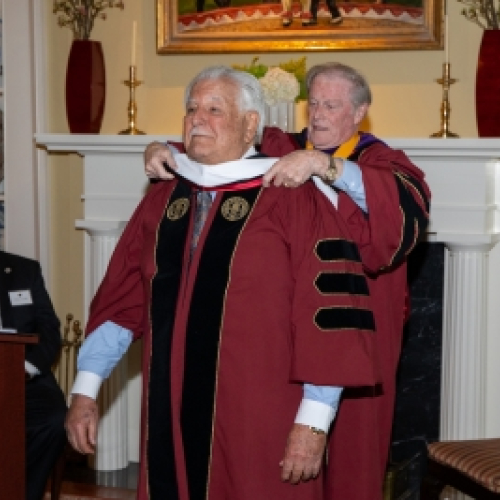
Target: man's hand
[303, 454]
[296, 168]
[81, 423]
[155, 154]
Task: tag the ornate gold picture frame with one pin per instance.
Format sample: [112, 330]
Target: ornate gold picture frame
[255, 26]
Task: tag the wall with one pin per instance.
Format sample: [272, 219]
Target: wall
[406, 104]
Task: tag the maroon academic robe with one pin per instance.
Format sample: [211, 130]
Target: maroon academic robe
[398, 202]
[273, 296]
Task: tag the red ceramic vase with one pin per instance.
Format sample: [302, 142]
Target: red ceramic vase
[488, 85]
[85, 87]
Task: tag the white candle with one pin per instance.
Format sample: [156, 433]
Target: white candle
[446, 35]
[134, 33]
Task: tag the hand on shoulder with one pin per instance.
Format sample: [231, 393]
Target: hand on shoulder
[296, 168]
[155, 155]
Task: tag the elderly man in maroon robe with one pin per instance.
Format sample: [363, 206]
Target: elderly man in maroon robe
[243, 295]
[384, 200]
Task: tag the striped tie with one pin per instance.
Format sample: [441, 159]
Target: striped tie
[203, 204]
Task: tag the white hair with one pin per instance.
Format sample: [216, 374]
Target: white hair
[251, 97]
[360, 91]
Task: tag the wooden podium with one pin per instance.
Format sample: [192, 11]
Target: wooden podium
[12, 420]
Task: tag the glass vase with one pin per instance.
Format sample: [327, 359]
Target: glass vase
[85, 87]
[281, 115]
[487, 85]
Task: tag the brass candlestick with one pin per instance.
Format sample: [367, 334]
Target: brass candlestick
[445, 81]
[132, 83]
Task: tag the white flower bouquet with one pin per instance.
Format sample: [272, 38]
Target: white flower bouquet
[284, 82]
[279, 86]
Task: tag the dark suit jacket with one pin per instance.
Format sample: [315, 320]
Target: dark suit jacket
[20, 274]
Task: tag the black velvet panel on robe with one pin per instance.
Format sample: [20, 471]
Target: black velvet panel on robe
[165, 288]
[202, 343]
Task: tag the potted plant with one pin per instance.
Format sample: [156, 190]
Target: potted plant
[482, 12]
[85, 74]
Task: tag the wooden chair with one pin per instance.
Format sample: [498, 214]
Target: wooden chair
[470, 466]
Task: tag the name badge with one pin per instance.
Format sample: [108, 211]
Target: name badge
[20, 298]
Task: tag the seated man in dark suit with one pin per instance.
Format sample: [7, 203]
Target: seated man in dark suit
[29, 310]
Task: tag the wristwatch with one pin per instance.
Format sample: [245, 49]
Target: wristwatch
[331, 172]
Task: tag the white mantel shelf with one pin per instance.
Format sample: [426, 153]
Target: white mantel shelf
[100, 143]
[464, 177]
[462, 174]
[482, 148]
[458, 148]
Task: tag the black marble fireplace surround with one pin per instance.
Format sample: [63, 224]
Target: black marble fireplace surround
[416, 419]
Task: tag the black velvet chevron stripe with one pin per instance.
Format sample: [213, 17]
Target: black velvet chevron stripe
[413, 213]
[202, 343]
[345, 318]
[418, 187]
[165, 289]
[330, 250]
[342, 283]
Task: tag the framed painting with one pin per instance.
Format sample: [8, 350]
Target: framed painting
[228, 26]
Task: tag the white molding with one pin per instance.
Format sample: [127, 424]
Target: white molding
[486, 149]
[462, 173]
[100, 143]
[41, 125]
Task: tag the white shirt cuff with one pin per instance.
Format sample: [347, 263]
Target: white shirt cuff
[87, 384]
[32, 370]
[315, 414]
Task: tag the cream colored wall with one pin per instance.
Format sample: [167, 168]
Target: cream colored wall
[406, 104]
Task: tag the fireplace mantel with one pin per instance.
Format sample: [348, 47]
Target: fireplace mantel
[464, 177]
[462, 173]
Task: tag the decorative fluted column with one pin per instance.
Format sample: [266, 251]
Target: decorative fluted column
[464, 342]
[281, 115]
[463, 403]
[112, 442]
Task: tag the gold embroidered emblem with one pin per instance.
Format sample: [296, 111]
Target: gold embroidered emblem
[234, 208]
[178, 209]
